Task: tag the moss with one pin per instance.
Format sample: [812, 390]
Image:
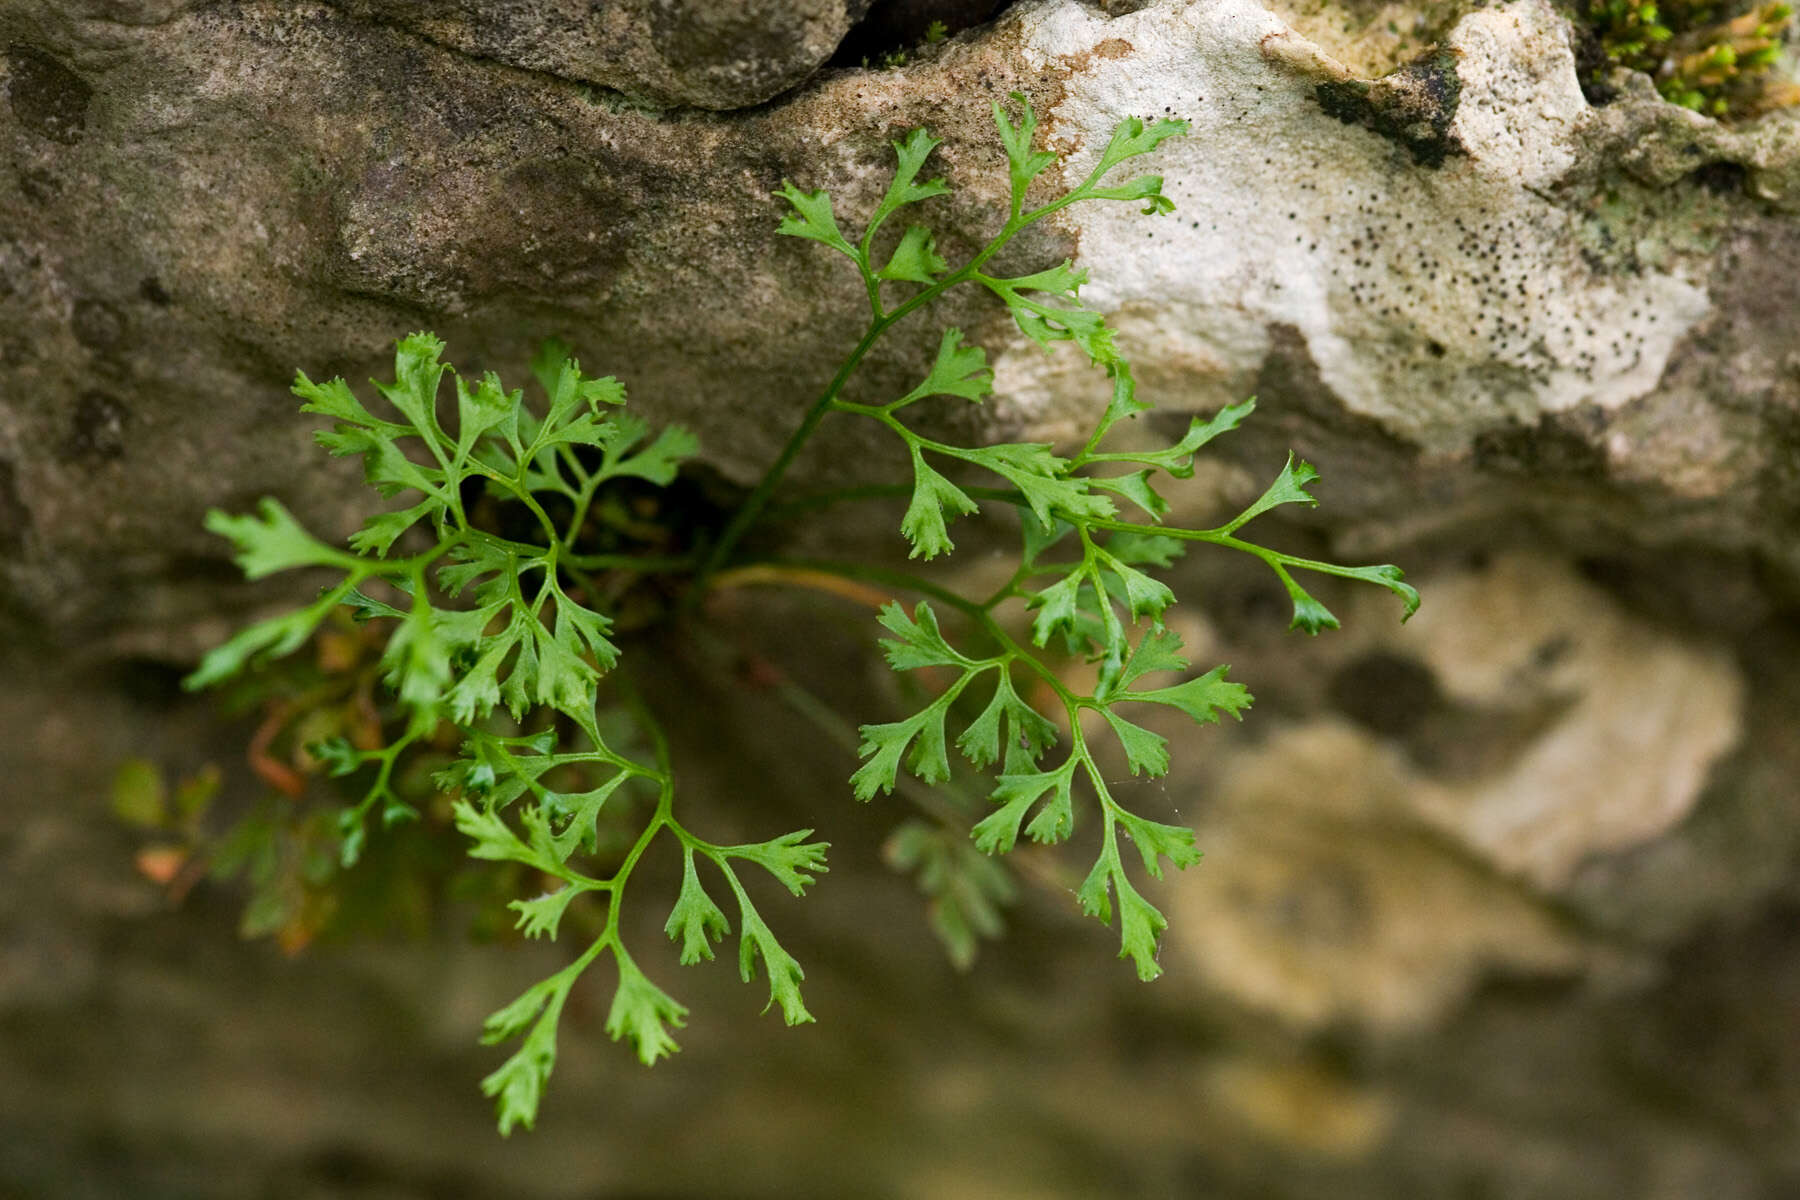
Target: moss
[1713, 56]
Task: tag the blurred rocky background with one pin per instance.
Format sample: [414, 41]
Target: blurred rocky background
[1499, 903]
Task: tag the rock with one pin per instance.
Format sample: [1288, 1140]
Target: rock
[663, 52]
[1628, 765]
[1616, 724]
[342, 185]
[1303, 1105]
[1319, 906]
[1439, 292]
[47, 98]
[209, 231]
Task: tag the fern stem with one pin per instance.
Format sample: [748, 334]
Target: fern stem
[752, 509]
[758, 499]
[904, 580]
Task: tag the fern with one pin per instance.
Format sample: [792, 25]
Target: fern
[482, 623]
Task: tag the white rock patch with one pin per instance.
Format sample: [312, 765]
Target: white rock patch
[1439, 300]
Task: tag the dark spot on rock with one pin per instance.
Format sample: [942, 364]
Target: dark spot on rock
[97, 429]
[562, 197]
[1720, 178]
[47, 98]
[15, 519]
[1551, 651]
[152, 290]
[1385, 693]
[347, 1166]
[1264, 606]
[1413, 107]
[1779, 482]
[1551, 449]
[151, 683]
[1347, 100]
[1325, 906]
[1436, 349]
[1335, 436]
[216, 572]
[1592, 65]
[97, 324]
[1686, 586]
[39, 186]
[899, 25]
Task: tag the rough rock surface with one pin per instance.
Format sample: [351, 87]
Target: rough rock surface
[1500, 902]
[666, 52]
[1539, 305]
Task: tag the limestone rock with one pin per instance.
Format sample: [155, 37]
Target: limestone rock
[1441, 294]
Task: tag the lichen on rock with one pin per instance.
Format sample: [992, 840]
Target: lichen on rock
[1414, 106]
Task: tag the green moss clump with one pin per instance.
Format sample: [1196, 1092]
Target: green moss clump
[1713, 56]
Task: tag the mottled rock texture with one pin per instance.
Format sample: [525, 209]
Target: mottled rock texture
[1498, 903]
[668, 52]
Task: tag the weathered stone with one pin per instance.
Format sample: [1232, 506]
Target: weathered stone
[1529, 289]
[1449, 308]
[1439, 301]
[96, 429]
[47, 98]
[668, 52]
[1321, 908]
[1617, 724]
[309, 205]
[1413, 107]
